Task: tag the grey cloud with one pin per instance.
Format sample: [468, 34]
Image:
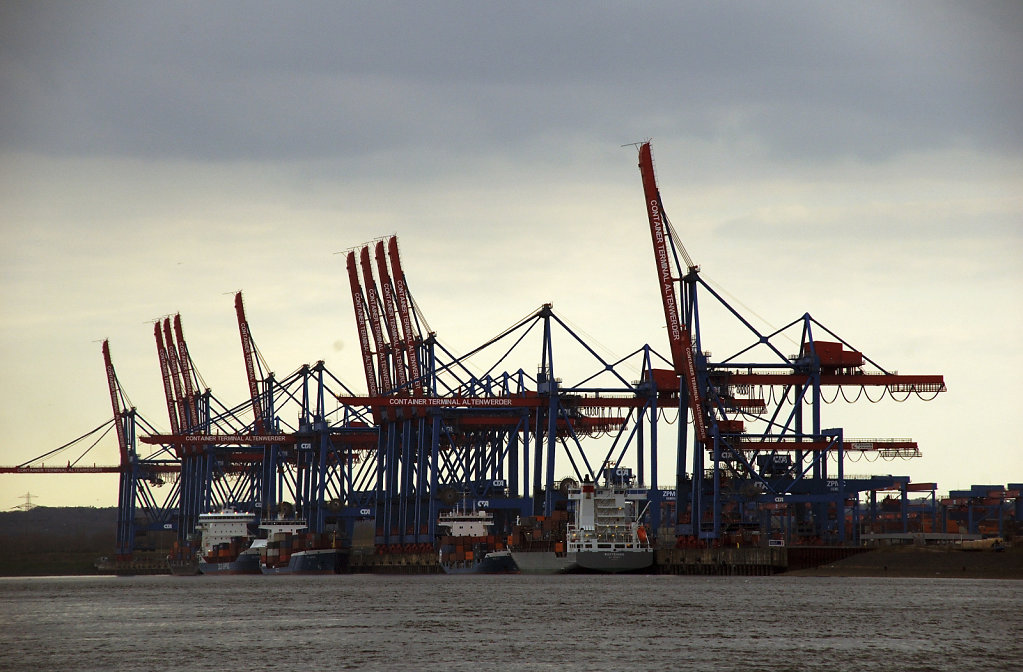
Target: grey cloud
[254, 81]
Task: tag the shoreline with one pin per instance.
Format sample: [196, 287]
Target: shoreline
[923, 563]
[886, 562]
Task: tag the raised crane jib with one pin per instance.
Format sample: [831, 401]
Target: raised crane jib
[401, 296]
[175, 374]
[390, 318]
[373, 312]
[250, 364]
[359, 303]
[664, 257]
[185, 362]
[115, 404]
[168, 392]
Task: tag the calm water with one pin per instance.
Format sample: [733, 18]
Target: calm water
[509, 623]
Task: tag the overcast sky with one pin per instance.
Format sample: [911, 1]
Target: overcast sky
[861, 162]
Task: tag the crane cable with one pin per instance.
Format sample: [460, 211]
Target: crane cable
[858, 395]
[73, 442]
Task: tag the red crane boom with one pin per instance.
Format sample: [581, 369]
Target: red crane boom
[373, 310]
[678, 332]
[404, 313]
[175, 374]
[359, 303]
[250, 366]
[115, 404]
[168, 392]
[387, 298]
[186, 373]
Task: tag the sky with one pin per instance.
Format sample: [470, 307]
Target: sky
[860, 162]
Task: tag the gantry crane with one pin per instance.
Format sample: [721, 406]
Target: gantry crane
[435, 427]
[777, 462]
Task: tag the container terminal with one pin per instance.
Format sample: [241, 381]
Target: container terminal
[705, 463]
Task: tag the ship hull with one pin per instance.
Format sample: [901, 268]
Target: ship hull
[615, 562]
[246, 563]
[544, 562]
[498, 562]
[183, 567]
[314, 561]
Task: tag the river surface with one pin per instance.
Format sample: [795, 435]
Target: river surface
[509, 623]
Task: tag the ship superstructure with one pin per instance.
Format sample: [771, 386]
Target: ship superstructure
[291, 549]
[606, 535]
[225, 543]
[468, 544]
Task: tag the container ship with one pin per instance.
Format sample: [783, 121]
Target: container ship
[226, 543]
[538, 544]
[468, 544]
[606, 535]
[183, 559]
[289, 549]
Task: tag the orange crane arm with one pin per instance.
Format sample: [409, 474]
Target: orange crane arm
[373, 309]
[387, 298]
[161, 352]
[250, 367]
[115, 403]
[71, 470]
[678, 332]
[659, 235]
[359, 302]
[175, 373]
[895, 382]
[404, 312]
[186, 373]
